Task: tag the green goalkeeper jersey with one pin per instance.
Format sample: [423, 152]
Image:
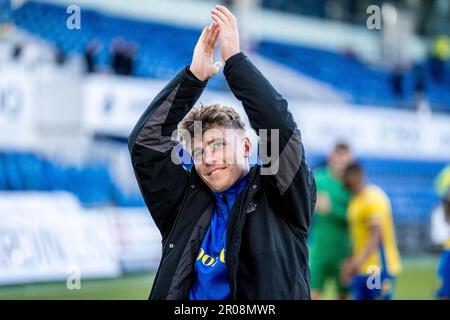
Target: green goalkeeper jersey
[329, 240]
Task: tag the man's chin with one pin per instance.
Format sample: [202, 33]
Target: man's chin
[218, 187]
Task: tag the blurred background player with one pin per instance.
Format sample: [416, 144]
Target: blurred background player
[375, 261]
[439, 229]
[329, 242]
[443, 185]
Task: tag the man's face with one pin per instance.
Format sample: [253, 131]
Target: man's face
[339, 160]
[352, 181]
[221, 157]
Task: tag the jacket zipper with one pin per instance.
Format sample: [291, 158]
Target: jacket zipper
[241, 204]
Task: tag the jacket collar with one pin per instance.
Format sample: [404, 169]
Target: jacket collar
[225, 199]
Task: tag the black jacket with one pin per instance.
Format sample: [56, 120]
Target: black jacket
[267, 256]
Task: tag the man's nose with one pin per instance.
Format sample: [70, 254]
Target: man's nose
[208, 157]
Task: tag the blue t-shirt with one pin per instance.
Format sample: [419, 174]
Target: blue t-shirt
[211, 272]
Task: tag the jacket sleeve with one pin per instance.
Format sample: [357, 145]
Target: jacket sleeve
[162, 181]
[291, 182]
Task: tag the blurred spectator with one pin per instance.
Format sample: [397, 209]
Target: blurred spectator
[442, 182]
[420, 98]
[118, 57]
[439, 56]
[17, 51]
[419, 79]
[397, 82]
[123, 54]
[130, 54]
[90, 52]
[60, 55]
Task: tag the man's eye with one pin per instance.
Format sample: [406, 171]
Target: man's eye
[218, 145]
[197, 155]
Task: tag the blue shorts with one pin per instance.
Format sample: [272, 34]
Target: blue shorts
[444, 275]
[366, 287]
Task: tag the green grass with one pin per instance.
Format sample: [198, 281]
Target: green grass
[417, 281]
[127, 287]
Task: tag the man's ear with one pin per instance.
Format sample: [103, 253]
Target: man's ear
[248, 147]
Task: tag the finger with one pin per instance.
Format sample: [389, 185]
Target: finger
[222, 17]
[226, 12]
[219, 21]
[213, 27]
[203, 35]
[214, 36]
[208, 33]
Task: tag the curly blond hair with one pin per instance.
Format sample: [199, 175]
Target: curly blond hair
[209, 116]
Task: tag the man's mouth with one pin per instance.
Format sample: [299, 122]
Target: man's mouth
[215, 171]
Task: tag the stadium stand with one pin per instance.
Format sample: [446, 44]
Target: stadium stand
[43, 20]
[365, 84]
[91, 183]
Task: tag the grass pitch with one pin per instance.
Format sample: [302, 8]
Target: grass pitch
[417, 281]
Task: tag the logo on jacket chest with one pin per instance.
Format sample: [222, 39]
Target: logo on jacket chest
[251, 207]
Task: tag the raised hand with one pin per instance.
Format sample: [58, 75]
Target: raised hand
[228, 31]
[202, 65]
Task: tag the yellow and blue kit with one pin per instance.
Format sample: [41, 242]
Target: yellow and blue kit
[444, 273]
[372, 206]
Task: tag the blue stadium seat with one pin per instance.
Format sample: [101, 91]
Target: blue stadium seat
[159, 57]
[24, 171]
[366, 85]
